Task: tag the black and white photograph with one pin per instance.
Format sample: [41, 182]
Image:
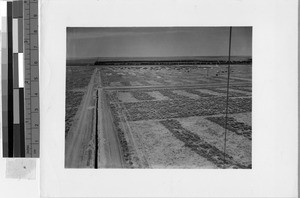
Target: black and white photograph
[130, 98]
[159, 97]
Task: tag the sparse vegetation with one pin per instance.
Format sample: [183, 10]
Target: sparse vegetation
[233, 125]
[126, 89]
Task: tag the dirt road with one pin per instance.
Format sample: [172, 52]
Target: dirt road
[79, 146]
[109, 154]
[92, 141]
[179, 86]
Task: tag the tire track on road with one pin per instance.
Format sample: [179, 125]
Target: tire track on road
[112, 156]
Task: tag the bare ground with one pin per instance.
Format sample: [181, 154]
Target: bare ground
[238, 146]
[126, 97]
[184, 93]
[157, 95]
[79, 150]
[162, 149]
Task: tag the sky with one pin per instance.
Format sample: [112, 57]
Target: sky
[157, 42]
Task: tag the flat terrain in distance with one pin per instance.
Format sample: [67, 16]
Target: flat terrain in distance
[158, 116]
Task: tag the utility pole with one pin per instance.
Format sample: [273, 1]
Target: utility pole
[227, 98]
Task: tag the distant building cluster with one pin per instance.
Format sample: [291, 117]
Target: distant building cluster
[175, 62]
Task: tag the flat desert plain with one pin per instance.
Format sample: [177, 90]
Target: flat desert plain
[158, 116]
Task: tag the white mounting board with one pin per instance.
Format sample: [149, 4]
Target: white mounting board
[274, 172]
